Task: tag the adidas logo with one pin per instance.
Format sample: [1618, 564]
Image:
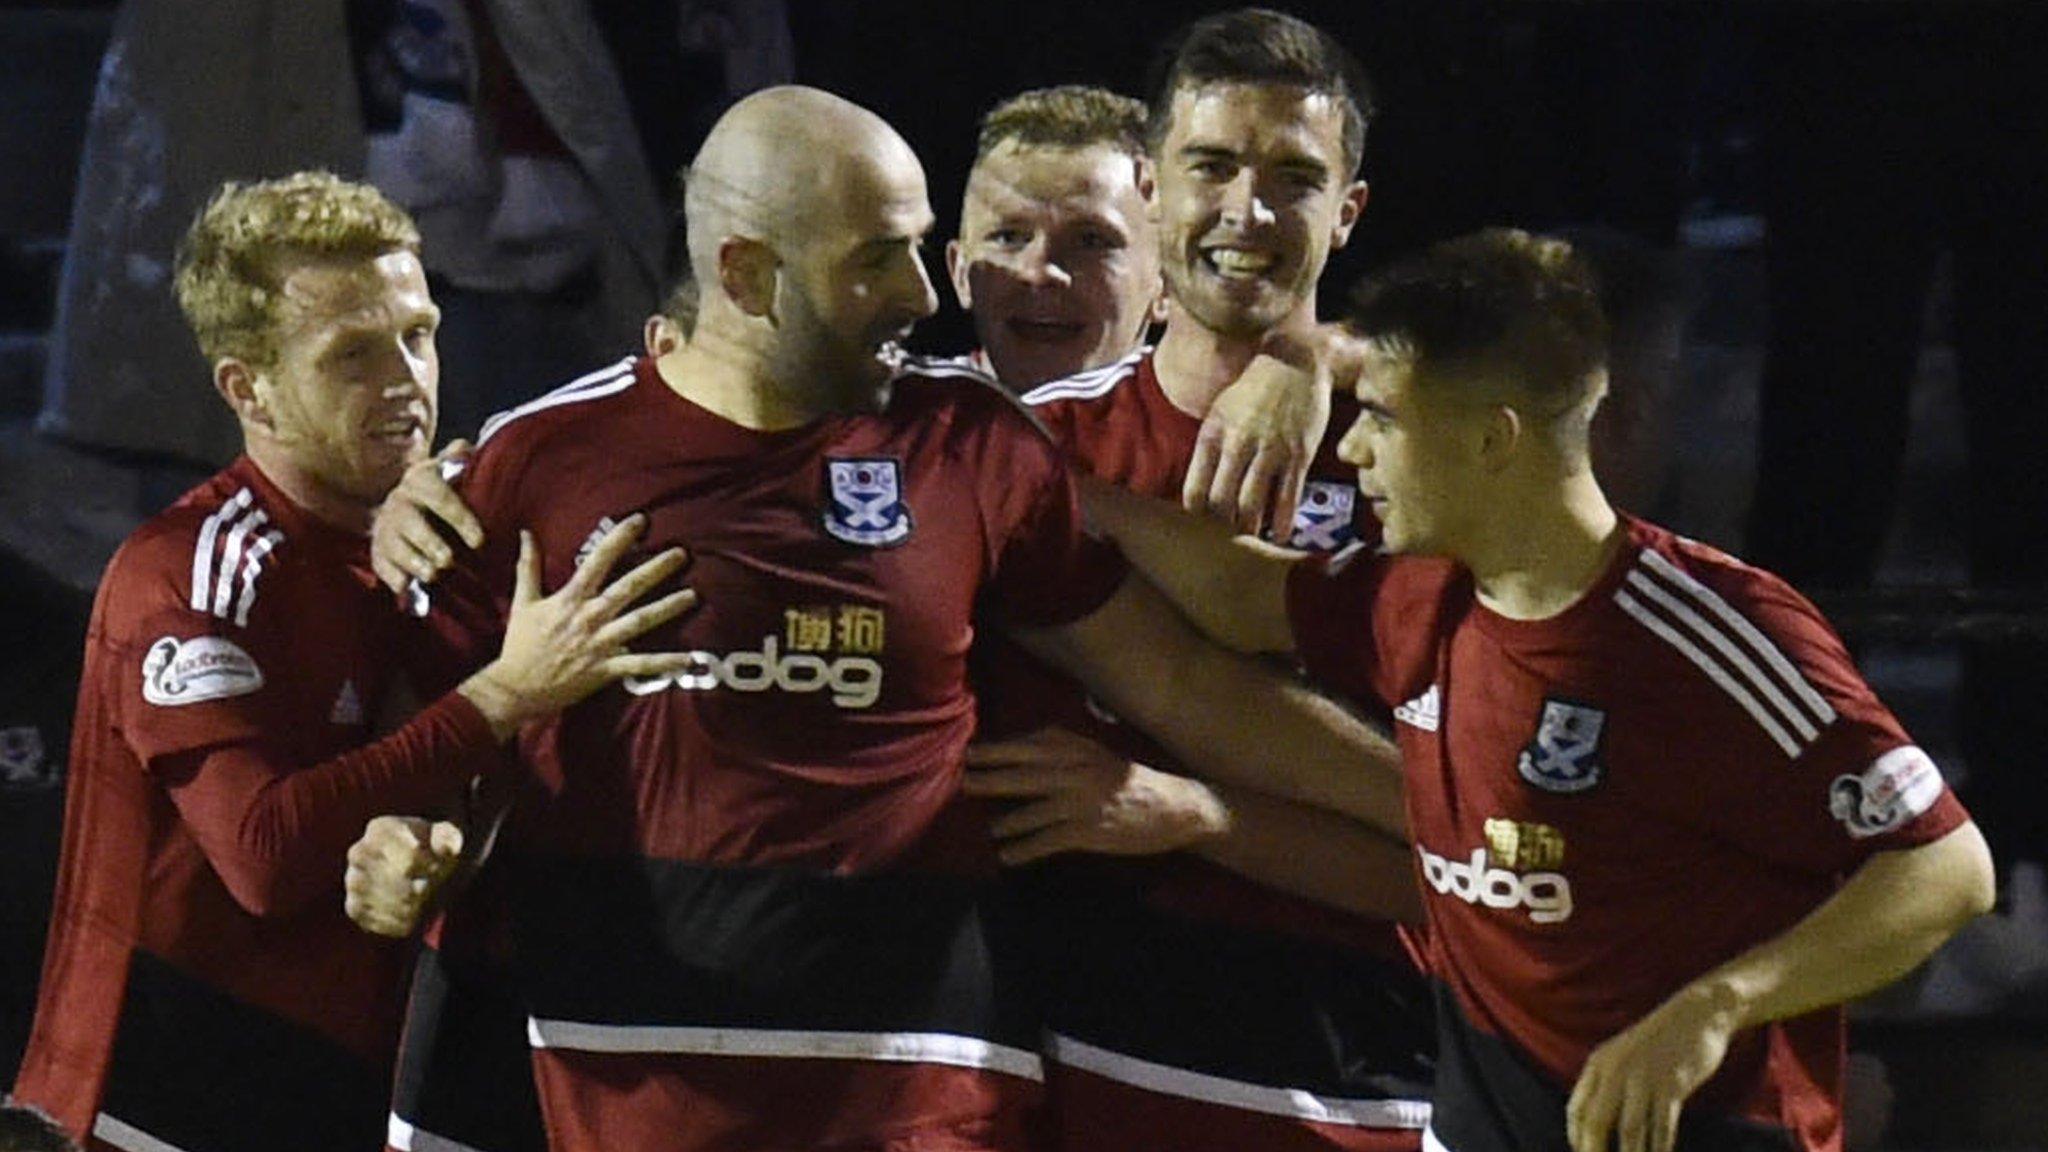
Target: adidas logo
[1424, 712]
[348, 706]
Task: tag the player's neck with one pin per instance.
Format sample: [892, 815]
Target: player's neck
[730, 383]
[1537, 556]
[305, 490]
[1195, 364]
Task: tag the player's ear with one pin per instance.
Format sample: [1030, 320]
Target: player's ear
[1348, 212]
[956, 271]
[240, 385]
[746, 272]
[1499, 436]
[660, 336]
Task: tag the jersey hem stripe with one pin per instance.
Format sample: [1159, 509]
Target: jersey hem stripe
[128, 1137]
[1294, 1103]
[894, 1047]
[405, 1137]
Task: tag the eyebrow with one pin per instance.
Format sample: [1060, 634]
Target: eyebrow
[1376, 407]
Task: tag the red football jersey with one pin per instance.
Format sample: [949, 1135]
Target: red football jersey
[1615, 800]
[201, 985]
[1190, 1006]
[763, 852]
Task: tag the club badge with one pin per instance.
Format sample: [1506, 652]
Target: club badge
[1322, 521]
[866, 502]
[1564, 756]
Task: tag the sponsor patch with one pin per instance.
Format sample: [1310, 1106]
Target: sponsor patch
[1480, 881]
[193, 671]
[865, 502]
[1898, 786]
[1524, 846]
[1564, 756]
[1322, 521]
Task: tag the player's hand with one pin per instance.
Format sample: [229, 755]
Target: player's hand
[395, 871]
[409, 535]
[1634, 1085]
[562, 647]
[1078, 796]
[1253, 453]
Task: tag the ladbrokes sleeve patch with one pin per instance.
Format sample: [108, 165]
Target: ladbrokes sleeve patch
[1899, 786]
[192, 671]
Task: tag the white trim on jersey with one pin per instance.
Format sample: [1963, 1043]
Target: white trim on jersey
[231, 560]
[589, 386]
[221, 563]
[128, 1137]
[202, 552]
[252, 567]
[1294, 1103]
[1693, 619]
[1431, 1142]
[405, 1137]
[913, 365]
[895, 1047]
[1822, 711]
[1090, 384]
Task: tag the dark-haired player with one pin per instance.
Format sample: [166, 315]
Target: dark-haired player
[1663, 826]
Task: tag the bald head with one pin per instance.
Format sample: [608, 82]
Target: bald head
[807, 215]
[785, 159]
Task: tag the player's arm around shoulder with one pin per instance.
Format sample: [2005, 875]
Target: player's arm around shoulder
[1230, 717]
[1233, 588]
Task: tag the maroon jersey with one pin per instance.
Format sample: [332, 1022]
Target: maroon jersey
[749, 882]
[202, 986]
[1613, 801]
[1188, 1005]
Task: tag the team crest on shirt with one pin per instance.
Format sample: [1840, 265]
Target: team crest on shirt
[1565, 754]
[193, 671]
[1322, 521]
[1902, 784]
[865, 501]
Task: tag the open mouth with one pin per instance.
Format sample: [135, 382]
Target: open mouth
[1232, 263]
[402, 430]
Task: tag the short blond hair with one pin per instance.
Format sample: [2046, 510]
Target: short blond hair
[235, 257]
[1068, 116]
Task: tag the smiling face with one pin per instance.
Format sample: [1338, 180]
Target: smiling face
[1056, 259]
[1253, 193]
[351, 394]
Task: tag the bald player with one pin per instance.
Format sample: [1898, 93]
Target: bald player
[763, 855]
